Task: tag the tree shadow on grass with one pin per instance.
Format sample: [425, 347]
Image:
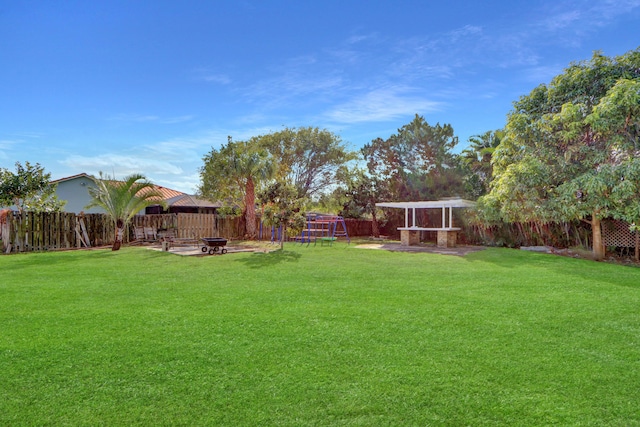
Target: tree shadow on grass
[266, 259]
[576, 268]
[37, 259]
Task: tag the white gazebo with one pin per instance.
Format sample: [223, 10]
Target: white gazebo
[447, 233]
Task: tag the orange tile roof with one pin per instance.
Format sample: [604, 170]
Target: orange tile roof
[165, 193]
[191, 201]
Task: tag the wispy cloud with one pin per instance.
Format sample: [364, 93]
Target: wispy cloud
[177, 119]
[222, 79]
[381, 105]
[5, 145]
[186, 183]
[463, 33]
[210, 75]
[293, 84]
[584, 17]
[562, 20]
[173, 163]
[542, 74]
[150, 118]
[27, 135]
[120, 165]
[370, 78]
[19, 143]
[134, 118]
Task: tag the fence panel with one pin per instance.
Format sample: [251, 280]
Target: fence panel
[30, 231]
[189, 226]
[62, 230]
[157, 221]
[196, 226]
[358, 227]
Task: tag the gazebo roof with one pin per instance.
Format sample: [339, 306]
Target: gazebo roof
[426, 204]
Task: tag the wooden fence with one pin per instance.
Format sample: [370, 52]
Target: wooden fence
[61, 230]
[31, 231]
[50, 231]
[358, 227]
[193, 226]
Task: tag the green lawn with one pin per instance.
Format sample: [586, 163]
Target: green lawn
[317, 336]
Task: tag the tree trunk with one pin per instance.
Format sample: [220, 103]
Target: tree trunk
[598, 244]
[250, 209]
[4, 228]
[284, 233]
[119, 233]
[375, 230]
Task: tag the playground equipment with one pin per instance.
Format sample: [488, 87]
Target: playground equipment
[325, 228]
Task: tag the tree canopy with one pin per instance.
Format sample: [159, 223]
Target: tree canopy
[476, 160]
[234, 173]
[417, 162]
[28, 188]
[571, 149]
[281, 208]
[305, 159]
[308, 158]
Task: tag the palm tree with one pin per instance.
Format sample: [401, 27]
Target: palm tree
[479, 154]
[122, 200]
[233, 172]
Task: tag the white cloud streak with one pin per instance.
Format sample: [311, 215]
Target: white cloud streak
[120, 165]
[381, 105]
[150, 118]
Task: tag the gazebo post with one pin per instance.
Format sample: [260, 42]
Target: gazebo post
[447, 233]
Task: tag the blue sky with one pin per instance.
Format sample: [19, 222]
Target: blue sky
[151, 86]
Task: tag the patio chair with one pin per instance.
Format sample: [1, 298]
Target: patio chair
[150, 234]
[138, 233]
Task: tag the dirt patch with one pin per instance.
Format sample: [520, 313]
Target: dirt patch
[232, 247]
[461, 250]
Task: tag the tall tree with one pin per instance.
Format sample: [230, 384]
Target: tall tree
[122, 200]
[417, 161]
[281, 208]
[362, 192]
[476, 159]
[28, 188]
[234, 173]
[308, 157]
[571, 149]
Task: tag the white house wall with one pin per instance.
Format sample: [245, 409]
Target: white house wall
[75, 192]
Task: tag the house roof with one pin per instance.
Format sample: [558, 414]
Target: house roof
[165, 193]
[69, 178]
[170, 196]
[188, 200]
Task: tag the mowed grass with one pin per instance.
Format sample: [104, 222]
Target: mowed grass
[317, 336]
